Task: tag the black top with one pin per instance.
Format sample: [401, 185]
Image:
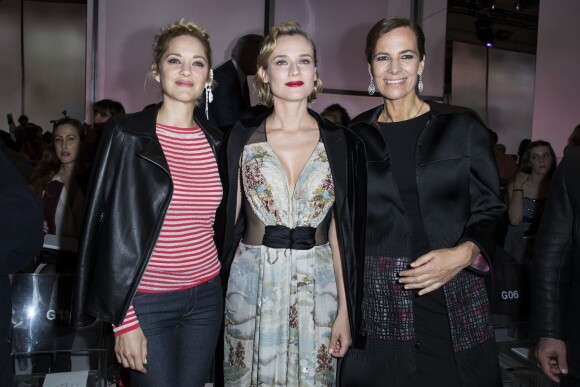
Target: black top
[434, 357]
[401, 138]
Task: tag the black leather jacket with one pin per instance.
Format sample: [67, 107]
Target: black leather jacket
[129, 194]
[556, 270]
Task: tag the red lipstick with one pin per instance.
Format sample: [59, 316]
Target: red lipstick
[295, 84]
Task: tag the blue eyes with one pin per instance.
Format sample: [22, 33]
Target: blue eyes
[283, 62]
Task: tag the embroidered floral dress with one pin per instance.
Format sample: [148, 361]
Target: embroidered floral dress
[281, 302]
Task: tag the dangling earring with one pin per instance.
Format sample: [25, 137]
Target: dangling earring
[420, 84]
[208, 94]
[371, 88]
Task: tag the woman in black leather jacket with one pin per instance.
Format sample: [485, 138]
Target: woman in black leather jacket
[555, 315]
[148, 259]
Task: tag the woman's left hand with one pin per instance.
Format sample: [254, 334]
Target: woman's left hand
[340, 338]
[434, 269]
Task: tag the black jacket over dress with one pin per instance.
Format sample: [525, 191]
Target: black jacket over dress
[129, 194]
[21, 238]
[556, 269]
[347, 164]
[458, 197]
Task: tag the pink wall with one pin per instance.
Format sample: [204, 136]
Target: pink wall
[54, 52]
[557, 87]
[124, 49]
[125, 36]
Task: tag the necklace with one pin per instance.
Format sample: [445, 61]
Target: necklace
[388, 118]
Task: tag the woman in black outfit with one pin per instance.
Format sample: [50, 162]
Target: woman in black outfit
[433, 218]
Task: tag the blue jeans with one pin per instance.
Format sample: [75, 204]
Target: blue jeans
[182, 330]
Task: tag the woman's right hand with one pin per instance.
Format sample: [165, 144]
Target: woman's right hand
[131, 350]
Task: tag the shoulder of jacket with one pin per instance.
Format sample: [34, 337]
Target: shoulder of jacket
[366, 117]
[444, 109]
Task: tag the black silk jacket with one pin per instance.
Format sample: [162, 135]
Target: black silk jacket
[347, 164]
[556, 270]
[129, 193]
[457, 183]
[458, 195]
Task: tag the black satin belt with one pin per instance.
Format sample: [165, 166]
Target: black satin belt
[282, 237]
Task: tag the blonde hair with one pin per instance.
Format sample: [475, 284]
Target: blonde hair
[180, 28]
[289, 28]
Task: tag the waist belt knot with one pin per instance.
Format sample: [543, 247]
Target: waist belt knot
[282, 237]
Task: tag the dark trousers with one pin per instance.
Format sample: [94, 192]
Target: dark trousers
[182, 330]
[433, 356]
[569, 381]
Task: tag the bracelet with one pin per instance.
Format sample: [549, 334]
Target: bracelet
[517, 190]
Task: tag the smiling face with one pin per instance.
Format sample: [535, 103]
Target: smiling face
[290, 70]
[183, 70]
[67, 143]
[396, 64]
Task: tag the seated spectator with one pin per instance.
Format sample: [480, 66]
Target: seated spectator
[527, 191]
[60, 179]
[336, 113]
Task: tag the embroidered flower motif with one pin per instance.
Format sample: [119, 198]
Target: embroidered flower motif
[323, 196]
[323, 359]
[255, 183]
[237, 356]
[293, 316]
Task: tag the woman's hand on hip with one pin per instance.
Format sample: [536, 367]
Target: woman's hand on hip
[131, 350]
[434, 269]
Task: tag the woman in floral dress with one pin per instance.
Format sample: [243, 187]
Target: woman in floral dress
[291, 301]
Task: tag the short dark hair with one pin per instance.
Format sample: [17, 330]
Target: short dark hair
[108, 107]
[335, 107]
[574, 138]
[387, 25]
[245, 41]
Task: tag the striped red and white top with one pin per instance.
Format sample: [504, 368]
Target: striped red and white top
[185, 254]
